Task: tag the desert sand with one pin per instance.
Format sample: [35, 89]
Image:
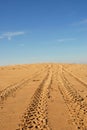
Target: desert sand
[43, 97]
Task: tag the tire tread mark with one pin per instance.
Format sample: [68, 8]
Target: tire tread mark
[75, 103]
[5, 93]
[79, 80]
[35, 116]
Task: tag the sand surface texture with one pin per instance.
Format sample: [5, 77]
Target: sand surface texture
[43, 97]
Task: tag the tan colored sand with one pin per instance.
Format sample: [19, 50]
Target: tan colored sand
[52, 96]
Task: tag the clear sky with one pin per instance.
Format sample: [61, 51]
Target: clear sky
[34, 31]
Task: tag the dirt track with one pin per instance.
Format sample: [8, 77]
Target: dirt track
[43, 97]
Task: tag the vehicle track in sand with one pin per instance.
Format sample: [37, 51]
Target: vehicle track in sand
[77, 83]
[11, 89]
[74, 101]
[35, 116]
[14, 107]
[48, 98]
[58, 113]
[74, 76]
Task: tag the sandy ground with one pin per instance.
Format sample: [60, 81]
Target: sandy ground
[43, 97]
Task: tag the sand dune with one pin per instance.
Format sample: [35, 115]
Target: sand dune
[43, 97]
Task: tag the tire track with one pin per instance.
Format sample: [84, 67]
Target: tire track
[75, 103]
[11, 89]
[78, 79]
[35, 116]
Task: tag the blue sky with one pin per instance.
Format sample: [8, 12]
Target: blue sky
[34, 31]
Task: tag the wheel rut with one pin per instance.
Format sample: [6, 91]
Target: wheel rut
[75, 103]
[35, 116]
[75, 77]
[11, 89]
